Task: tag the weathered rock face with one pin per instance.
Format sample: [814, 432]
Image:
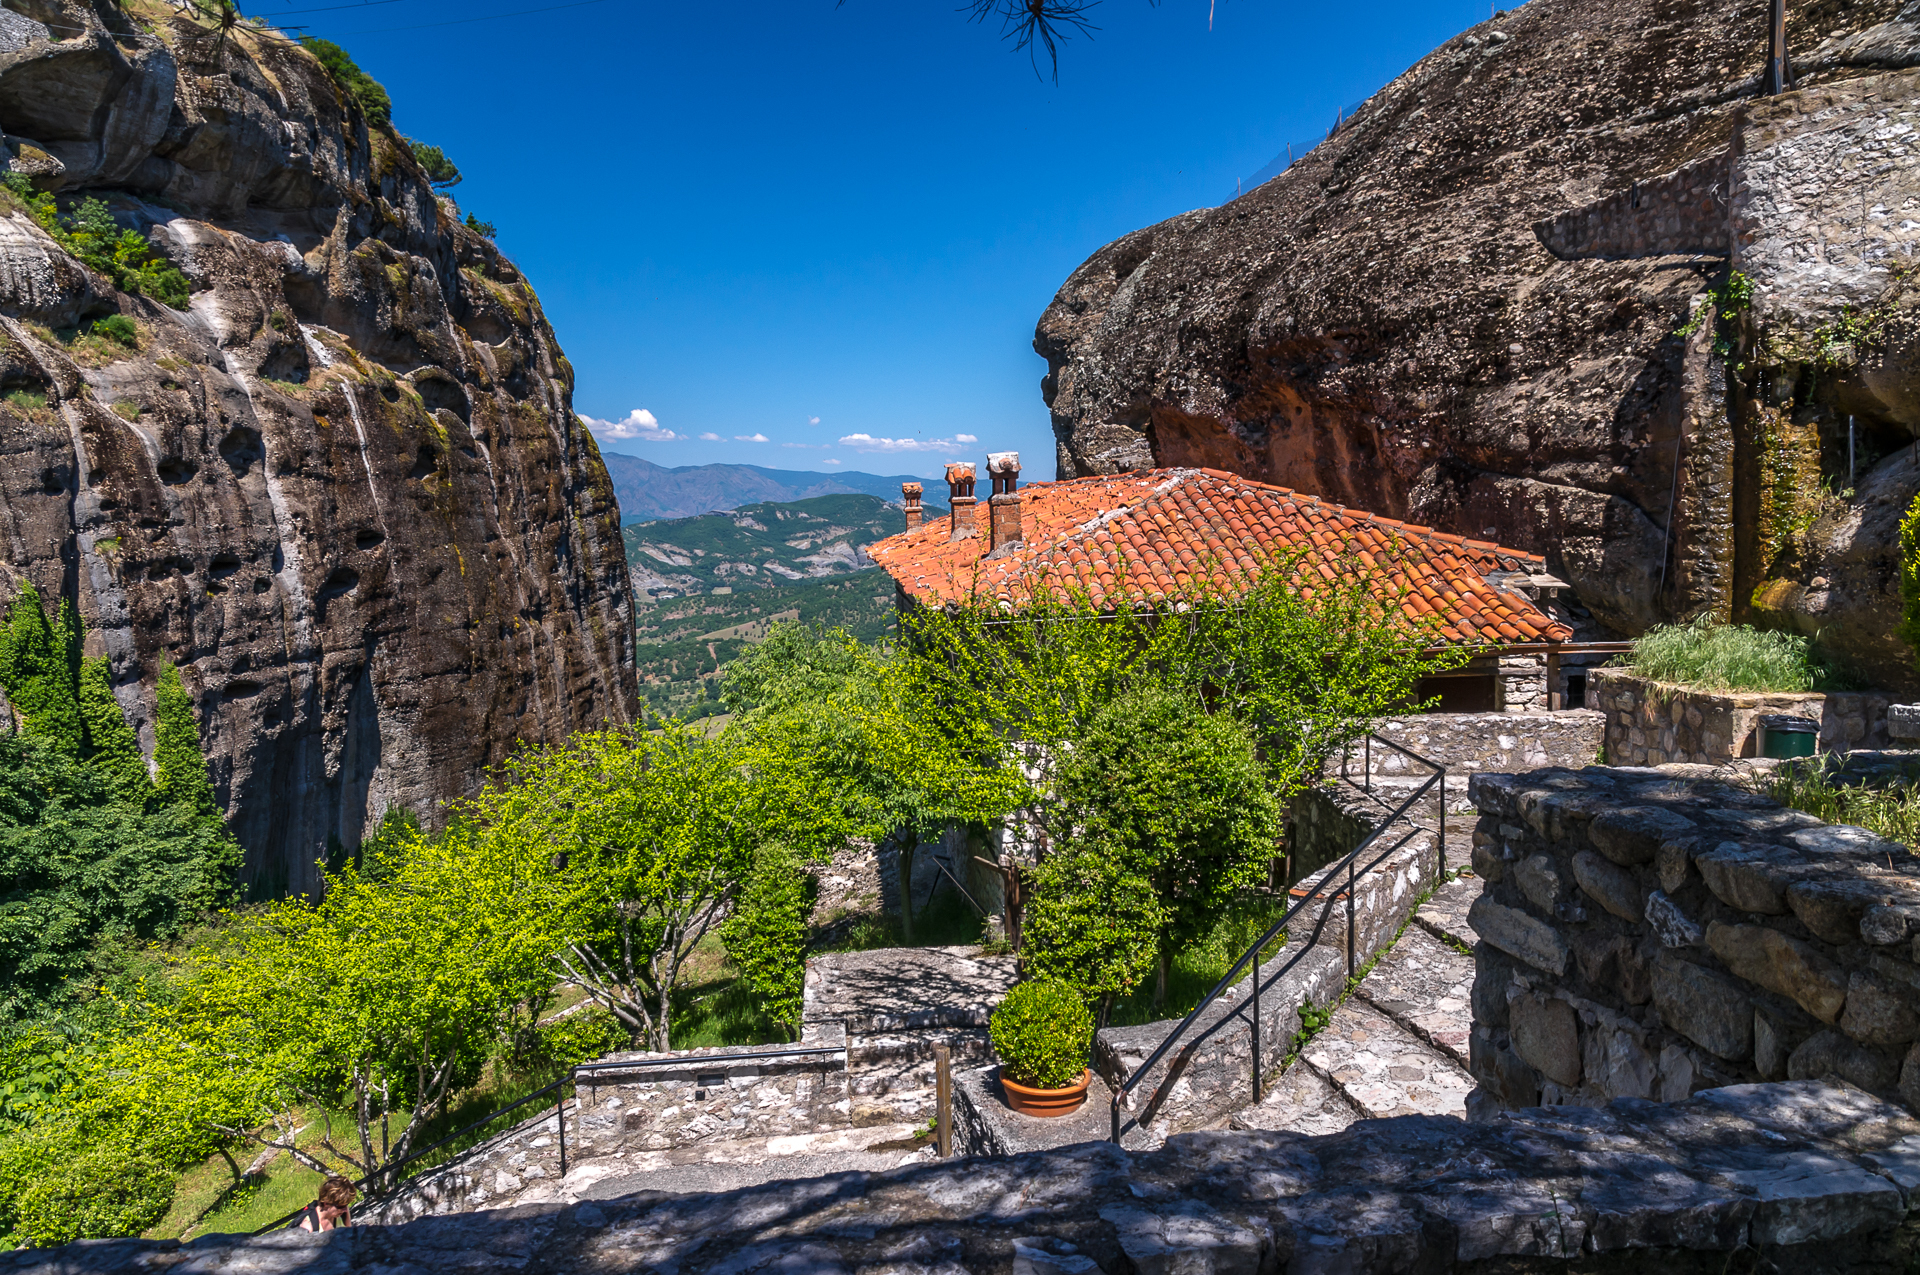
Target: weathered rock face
[346, 491]
[1465, 308]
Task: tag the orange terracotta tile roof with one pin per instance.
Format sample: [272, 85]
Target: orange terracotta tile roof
[1145, 536]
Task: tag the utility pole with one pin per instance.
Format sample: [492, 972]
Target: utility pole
[1777, 68]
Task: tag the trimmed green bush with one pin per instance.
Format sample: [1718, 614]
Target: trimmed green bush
[1713, 656]
[107, 1192]
[1092, 924]
[1043, 1034]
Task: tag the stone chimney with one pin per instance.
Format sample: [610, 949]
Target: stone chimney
[910, 494]
[960, 499]
[1003, 507]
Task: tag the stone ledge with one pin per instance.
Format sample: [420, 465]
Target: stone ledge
[1820, 1177]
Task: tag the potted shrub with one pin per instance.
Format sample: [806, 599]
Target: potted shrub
[1043, 1033]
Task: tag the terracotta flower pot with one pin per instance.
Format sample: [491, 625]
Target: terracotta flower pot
[1046, 1102]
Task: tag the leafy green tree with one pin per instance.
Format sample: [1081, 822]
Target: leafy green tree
[766, 934]
[79, 864]
[1180, 794]
[90, 233]
[113, 749]
[1093, 923]
[356, 86]
[434, 163]
[38, 663]
[179, 767]
[381, 1000]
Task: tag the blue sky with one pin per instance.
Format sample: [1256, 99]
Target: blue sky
[785, 232]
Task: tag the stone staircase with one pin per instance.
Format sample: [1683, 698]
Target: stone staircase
[1398, 1045]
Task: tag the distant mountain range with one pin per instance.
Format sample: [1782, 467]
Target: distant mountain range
[650, 492]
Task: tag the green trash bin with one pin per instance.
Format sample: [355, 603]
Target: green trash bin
[1784, 736]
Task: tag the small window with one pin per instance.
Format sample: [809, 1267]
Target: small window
[1461, 693]
[1577, 690]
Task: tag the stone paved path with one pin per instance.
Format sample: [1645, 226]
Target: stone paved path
[1427, 987]
[1445, 914]
[1398, 1045]
[1384, 1069]
[727, 1166]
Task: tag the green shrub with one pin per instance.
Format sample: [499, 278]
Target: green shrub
[582, 1036]
[1910, 578]
[117, 327]
[1710, 655]
[105, 1193]
[25, 402]
[766, 937]
[434, 163]
[485, 229]
[90, 233]
[355, 85]
[1043, 1034]
[1892, 811]
[1092, 924]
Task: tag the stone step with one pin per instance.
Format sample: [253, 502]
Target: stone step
[731, 1165]
[1301, 1100]
[1383, 1069]
[1445, 914]
[1427, 987]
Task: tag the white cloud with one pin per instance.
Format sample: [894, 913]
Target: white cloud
[749, 438]
[710, 438]
[831, 461]
[809, 446]
[639, 423]
[868, 443]
[813, 420]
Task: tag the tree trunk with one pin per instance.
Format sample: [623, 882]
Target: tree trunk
[1160, 982]
[907, 848]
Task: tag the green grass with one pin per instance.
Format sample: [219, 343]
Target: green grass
[25, 402]
[1709, 655]
[1892, 811]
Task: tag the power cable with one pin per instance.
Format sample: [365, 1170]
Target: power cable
[491, 17]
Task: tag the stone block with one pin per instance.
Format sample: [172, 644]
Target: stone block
[1539, 879]
[1829, 1053]
[1910, 1079]
[1490, 981]
[1781, 964]
[1832, 908]
[1672, 926]
[1546, 1035]
[1632, 834]
[1613, 888]
[1615, 1063]
[1712, 1012]
[1887, 926]
[1745, 877]
[1673, 861]
[1488, 865]
[1610, 963]
[1878, 1012]
[1518, 934]
[1501, 1072]
[1777, 1032]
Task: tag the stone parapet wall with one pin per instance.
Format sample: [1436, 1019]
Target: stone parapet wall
[1646, 935]
[1788, 1177]
[1469, 742]
[1683, 212]
[1654, 723]
[650, 1108]
[1311, 968]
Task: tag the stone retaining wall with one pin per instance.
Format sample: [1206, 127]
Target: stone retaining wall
[653, 1108]
[1682, 212]
[1469, 742]
[1646, 935]
[1652, 723]
[1801, 1178]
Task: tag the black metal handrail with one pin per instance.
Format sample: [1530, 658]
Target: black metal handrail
[571, 1078]
[1252, 954]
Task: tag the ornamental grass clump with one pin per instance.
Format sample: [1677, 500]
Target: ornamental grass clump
[1043, 1033]
[1713, 656]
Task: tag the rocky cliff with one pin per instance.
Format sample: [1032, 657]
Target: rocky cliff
[1476, 305]
[344, 488]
